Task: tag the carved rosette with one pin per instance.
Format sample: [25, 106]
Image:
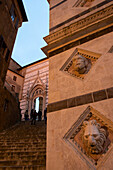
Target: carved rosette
[91, 136]
[80, 63]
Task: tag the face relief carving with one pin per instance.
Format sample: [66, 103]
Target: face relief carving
[80, 64]
[94, 136]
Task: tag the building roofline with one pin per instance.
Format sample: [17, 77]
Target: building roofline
[15, 72]
[16, 62]
[22, 9]
[38, 61]
[48, 1]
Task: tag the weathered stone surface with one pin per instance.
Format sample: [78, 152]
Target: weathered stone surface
[9, 109]
[72, 28]
[23, 146]
[110, 92]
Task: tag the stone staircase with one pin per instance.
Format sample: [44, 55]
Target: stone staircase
[23, 147]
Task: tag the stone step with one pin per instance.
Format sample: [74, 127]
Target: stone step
[18, 153]
[32, 131]
[21, 146]
[19, 134]
[22, 133]
[39, 161]
[22, 130]
[29, 153]
[23, 157]
[22, 149]
[23, 137]
[30, 167]
[21, 143]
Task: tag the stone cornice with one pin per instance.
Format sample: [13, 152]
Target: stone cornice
[84, 35]
[81, 24]
[83, 14]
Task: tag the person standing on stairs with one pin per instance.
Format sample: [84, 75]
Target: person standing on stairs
[33, 117]
[45, 115]
[39, 115]
[26, 115]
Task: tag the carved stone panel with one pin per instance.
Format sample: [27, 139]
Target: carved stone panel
[80, 62]
[92, 137]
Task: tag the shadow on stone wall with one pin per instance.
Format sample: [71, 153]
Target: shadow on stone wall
[9, 109]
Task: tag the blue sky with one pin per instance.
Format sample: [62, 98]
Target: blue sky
[29, 38]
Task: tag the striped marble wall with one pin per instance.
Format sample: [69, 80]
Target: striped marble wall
[31, 73]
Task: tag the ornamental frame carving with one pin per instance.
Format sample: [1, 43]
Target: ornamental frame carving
[72, 138]
[38, 89]
[88, 55]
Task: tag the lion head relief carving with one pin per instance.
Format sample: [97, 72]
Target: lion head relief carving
[81, 64]
[94, 136]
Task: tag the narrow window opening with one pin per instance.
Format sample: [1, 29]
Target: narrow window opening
[12, 13]
[17, 22]
[1, 41]
[5, 105]
[7, 55]
[14, 78]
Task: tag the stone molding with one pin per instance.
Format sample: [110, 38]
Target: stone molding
[79, 41]
[73, 28]
[96, 96]
[37, 82]
[81, 14]
[111, 50]
[58, 4]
